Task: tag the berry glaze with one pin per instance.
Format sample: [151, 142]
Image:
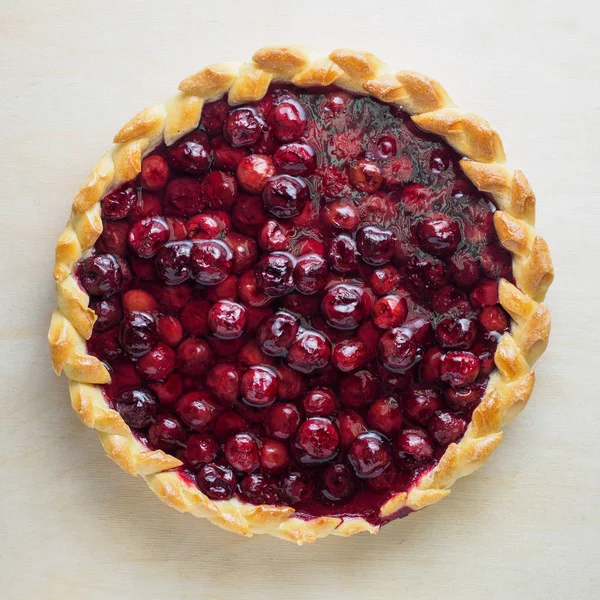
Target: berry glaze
[299, 300]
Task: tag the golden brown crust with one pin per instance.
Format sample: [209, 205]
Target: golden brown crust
[510, 385]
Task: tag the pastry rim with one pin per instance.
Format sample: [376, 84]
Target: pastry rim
[430, 106]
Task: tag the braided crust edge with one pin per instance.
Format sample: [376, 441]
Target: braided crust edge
[432, 109]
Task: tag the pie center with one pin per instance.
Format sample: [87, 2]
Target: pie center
[299, 300]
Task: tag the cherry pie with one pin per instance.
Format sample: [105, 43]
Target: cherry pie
[302, 296]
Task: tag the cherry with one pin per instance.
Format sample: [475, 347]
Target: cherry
[155, 173]
[494, 319]
[173, 297]
[226, 157]
[143, 268]
[358, 390]
[228, 423]
[146, 205]
[194, 316]
[114, 237]
[310, 352]
[496, 262]
[217, 482]
[376, 245]
[412, 448]
[464, 269]
[310, 273]
[369, 455]
[464, 399]
[284, 196]
[340, 215]
[366, 176]
[338, 483]
[213, 116]
[385, 415]
[166, 433]
[297, 488]
[438, 236]
[259, 489]
[295, 159]
[291, 384]
[320, 402]
[241, 452]
[243, 127]
[425, 275]
[351, 424]
[259, 386]
[446, 427]
[185, 195]
[251, 355]
[273, 236]
[420, 403]
[219, 190]
[201, 449]
[273, 456]
[450, 300]
[459, 368]
[282, 421]
[194, 357]
[210, 224]
[101, 275]
[170, 330]
[138, 333]
[139, 300]
[343, 254]
[118, 203]
[398, 350]
[453, 332]
[244, 251]
[417, 198]
[197, 410]
[300, 304]
[169, 390]
[138, 407]
[485, 294]
[318, 438]
[430, 366]
[345, 306]
[386, 146]
[277, 333]
[173, 262]
[177, 229]
[211, 261]
[349, 355]
[224, 381]
[254, 171]
[108, 312]
[390, 311]
[288, 121]
[226, 319]
[384, 279]
[274, 274]
[191, 154]
[148, 236]
[158, 363]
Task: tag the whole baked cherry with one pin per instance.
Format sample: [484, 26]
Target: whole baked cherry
[114, 237]
[191, 154]
[169, 390]
[259, 386]
[398, 350]
[138, 333]
[420, 403]
[224, 381]
[450, 300]
[140, 301]
[320, 402]
[229, 422]
[249, 215]
[194, 316]
[417, 198]
[194, 357]
[366, 176]
[438, 236]
[385, 415]
[459, 368]
[349, 355]
[101, 275]
[282, 421]
[345, 306]
[244, 251]
[351, 424]
[369, 455]
[166, 433]
[216, 481]
[211, 261]
[452, 332]
[310, 352]
[310, 273]
[254, 171]
[288, 120]
[200, 450]
[384, 280]
[295, 159]
[277, 333]
[274, 236]
[464, 269]
[155, 173]
[197, 410]
[284, 196]
[241, 452]
[259, 489]
[340, 215]
[108, 312]
[219, 190]
[390, 311]
[274, 456]
[243, 127]
[358, 390]
[173, 262]
[138, 407]
[375, 245]
[214, 115]
[170, 330]
[185, 195]
[464, 399]
[343, 254]
[430, 366]
[496, 262]
[446, 427]
[494, 319]
[413, 447]
[118, 203]
[225, 156]
[148, 236]
[226, 319]
[485, 294]
[338, 482]
[318, 438]
[297, 488]
[274, 274]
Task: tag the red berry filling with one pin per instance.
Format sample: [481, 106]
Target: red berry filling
[299, 300]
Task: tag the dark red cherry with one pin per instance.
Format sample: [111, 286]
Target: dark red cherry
[351, 424]
[191, 154]
[438, 236]
[186, 195]
[385, 415]
[118, 203]
[340, 215]
[375, 245]
[453, 332]
[138, 407]
[259, 489]
[365, 176]
[211, 261]
[173, 262]
[219, 190]
[390, 311]
[384, 280]
[420, 403]
[412, 448]
[244, 251]
[226, 319]
[496, 262]
[259, 386]
[166, 433]
[310, 273]
[108, 312]
[101, 275]
[284, 196]
[282, 421]
[430, 366]
[485, 294]
[241, 452]
[277, 333]
[320, 402]
[274, 236]
[200, 450]
[464, 269]
[343, 254]
[148, 236]
[226, 157]
[345, 306]
[194, 357]
[464, 399]
[138, 333]
[158, 363]
[274, 274]
[369, 455]
[459, 368]
[213, 116]
[398, 350]
[288, 120]
[349, 355]
[254, 171]
[318, 438]
[310, 352]
[295, 159]
[297, 488]
[114, 237]
[358, 390]
[197, 410]
[274, 456]
[338, 483]
[224, 381]
[155, 173]
[243, 127]
[217, 482]
[446, 427]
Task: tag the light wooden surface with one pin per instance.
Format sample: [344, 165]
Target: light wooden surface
[72, 525]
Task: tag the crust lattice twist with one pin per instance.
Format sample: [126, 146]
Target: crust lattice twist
[432, 109]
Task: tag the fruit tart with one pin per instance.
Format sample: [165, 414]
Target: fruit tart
[302, 296]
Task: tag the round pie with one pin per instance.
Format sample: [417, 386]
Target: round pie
[302, 296]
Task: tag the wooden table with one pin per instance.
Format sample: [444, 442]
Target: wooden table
[74, 526]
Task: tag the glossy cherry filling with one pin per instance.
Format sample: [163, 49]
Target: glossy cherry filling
[299, 300]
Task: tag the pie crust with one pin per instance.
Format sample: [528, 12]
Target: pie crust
[509, 386]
